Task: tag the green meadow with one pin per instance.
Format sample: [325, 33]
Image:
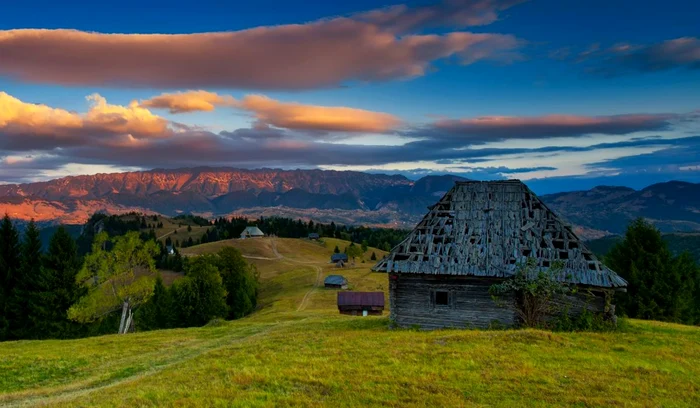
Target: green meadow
[296, 350]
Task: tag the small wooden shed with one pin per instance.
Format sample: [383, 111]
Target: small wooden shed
[335, 258]
[335, 282]
[314, 236]
[361, 303]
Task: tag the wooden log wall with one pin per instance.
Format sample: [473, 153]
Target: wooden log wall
[470, 305]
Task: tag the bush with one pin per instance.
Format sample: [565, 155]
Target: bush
[200, 296]
[534, 292]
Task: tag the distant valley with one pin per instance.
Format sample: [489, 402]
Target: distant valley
[341, 196]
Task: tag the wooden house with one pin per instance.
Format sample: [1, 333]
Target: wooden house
[361, 303]
[252, 232]
[314, 236]
[335, 282]
[477, 235]
[337, 258]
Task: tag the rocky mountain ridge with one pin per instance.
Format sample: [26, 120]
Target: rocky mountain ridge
[343, 196]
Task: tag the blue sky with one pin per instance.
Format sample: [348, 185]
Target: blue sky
[565, 95]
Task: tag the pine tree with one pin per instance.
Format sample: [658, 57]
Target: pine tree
[26, 299]
[58, 289]
[374, 256]
[660, 287]
[336, 250]
[9, 269]
[158, 312]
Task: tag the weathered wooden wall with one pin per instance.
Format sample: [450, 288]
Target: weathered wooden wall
[471, 305]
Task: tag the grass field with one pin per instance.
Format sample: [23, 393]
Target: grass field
[296, 350]
[175, 229]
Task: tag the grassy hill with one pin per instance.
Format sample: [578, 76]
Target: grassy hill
[296, 350]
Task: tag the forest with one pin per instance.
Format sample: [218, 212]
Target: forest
[115, 287]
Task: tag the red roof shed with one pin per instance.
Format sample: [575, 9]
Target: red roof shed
[361, 303]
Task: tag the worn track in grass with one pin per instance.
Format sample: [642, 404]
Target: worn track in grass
[90, 385]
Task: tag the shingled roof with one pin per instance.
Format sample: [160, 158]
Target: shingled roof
[486, 228]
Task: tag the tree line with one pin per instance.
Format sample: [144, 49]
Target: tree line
[661, 286]
[114, 287]
[382, 238]
[226, 228]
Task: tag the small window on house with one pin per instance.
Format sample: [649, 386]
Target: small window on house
[442, 298]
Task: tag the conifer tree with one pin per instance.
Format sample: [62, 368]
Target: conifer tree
[660, 287]
[9, 269]
[158, 312]
[59, 288]
[26, 297]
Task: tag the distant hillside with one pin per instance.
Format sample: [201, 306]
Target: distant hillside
[677, 243]
[673, 207]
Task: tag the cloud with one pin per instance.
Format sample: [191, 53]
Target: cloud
[189, 101]
[27, 126]
[313, 117]
[324, 53]
[270, 112]
[449, 13]
[38, 139]
[498, 128]
[624, 58]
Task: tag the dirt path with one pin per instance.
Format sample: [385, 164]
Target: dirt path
[304, 301]
[88, 386]
[169, 233]
[319, 271]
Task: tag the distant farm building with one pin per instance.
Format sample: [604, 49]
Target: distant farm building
[337, 258]
[361, 303]
[475, 236]
[335, 282]
[314, 236]
[252, 232]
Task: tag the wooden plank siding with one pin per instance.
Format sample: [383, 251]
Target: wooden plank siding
[413, 303]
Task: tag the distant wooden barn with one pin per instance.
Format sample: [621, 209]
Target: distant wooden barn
[335, 258]
[252, 232]
[335, 282]
[361, 303]
[475, 236]
[314, 236]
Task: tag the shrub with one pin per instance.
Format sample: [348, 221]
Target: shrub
[534, 292]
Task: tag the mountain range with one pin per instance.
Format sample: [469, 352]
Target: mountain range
[324, 195]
